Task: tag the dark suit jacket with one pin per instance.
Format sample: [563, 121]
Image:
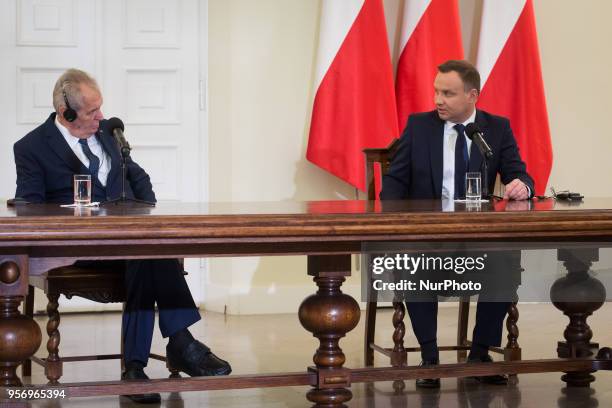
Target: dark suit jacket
[416, 170]
[46, 166]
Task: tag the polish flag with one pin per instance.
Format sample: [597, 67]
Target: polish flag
[430, 35]
[511, 77]
[354, 105]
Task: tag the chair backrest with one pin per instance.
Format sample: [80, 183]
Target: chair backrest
[382, 156]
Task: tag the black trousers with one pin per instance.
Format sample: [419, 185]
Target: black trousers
[500, 280]
[487, 331]
[151, 282]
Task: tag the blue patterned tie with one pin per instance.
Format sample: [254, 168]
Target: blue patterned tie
[461, 161]
[94, 161]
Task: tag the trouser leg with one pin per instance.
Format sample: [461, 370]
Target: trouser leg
[489, 323]
[139, 312]
[424, 320]
[177, 309]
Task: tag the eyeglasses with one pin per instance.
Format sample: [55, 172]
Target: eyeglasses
[566, 195]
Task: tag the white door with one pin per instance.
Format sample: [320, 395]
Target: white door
[39, 39]
[145, 55]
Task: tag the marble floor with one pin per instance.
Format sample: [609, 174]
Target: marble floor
[274, 343]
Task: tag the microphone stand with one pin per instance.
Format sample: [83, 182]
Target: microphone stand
[485, 178]
[125, 154]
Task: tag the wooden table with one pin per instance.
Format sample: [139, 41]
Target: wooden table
[328, 232]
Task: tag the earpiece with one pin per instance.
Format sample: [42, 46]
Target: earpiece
[69, 114]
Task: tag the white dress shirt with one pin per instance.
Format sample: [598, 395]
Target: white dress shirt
[94, 146]
[448, 172]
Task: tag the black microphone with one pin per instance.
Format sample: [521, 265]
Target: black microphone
[472, 130]
[117, 128]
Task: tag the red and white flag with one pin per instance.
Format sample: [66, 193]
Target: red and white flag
[430, 35]
[354, 105]
[511, 76]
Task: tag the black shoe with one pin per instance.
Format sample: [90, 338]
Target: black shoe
[495, 379]
[137, 373]
[197, 360]
[428, 382]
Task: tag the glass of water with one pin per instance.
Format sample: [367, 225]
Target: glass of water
[82, 189]
[472, 186]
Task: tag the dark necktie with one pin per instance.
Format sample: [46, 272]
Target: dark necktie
[461, 161]
[94, 161]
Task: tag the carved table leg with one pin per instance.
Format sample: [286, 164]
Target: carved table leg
[20, 336]
[512, 351]
[578, 295]
[53, 368]
[329, 315]
[399, 357]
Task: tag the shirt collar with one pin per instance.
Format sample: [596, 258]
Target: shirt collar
[70, 139]
[471, 119]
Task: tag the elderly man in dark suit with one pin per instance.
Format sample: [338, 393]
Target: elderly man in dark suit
[76, 139]
[431, 162]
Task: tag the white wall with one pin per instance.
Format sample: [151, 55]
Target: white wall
[261, 56]
[576, 60]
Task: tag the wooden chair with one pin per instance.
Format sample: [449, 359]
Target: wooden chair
[398, 354]
[105, 285]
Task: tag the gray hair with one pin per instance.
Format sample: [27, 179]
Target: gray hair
[69, 83]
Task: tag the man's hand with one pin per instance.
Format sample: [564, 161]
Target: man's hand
[516, 190]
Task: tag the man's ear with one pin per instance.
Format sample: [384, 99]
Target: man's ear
[474, 94]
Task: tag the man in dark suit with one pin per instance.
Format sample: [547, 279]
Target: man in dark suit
[431, 162]
[76, 139]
